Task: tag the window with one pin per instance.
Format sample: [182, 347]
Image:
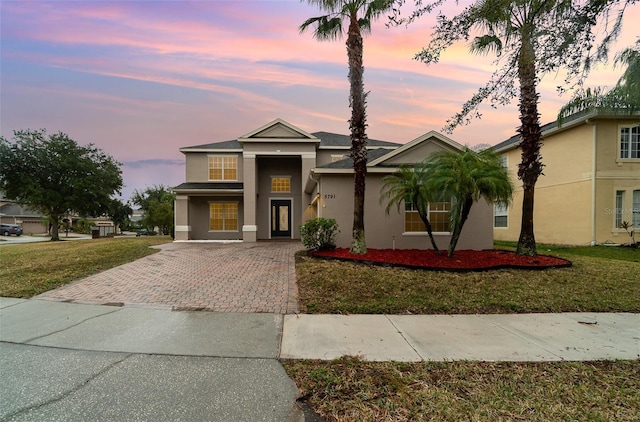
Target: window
[223, 216]
[438, 217]
[630, 142]
[636, 210]
[281, 184]
[223, 167]
[619, 209]
[500, 215]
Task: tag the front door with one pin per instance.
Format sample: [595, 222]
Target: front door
[280, 218]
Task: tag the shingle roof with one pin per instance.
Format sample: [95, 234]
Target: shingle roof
[328, 139]
[210, 186]
[347, 163]
[232, 144]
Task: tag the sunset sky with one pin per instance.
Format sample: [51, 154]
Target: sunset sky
[140, 79]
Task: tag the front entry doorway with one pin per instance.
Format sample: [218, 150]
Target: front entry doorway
[280, 218]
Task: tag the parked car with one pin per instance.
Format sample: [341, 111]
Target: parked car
[9, 229]
[146, 232]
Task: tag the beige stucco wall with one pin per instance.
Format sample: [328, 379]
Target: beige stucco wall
[197, 166]
[199, 218]
[565, 211]
[278, 166]
[382, 230]
[419, 152]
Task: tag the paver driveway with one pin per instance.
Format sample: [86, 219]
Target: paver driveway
[232, 277]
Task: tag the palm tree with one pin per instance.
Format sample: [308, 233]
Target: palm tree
[624, 97]
[359, 14]
[467, 176]
[409, 185]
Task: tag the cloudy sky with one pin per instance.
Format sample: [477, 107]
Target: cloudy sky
[140, 79]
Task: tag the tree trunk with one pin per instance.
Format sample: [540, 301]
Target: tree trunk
[357, 124]
[531, 136]
[427, 225]
[457, 230]
[54, 228]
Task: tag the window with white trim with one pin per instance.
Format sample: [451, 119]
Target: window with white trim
[619, 209]
[500, 215]
[630, 142]
[223, 216]
[438, 214]
[501, 211]
[280, 184]
[223, 167]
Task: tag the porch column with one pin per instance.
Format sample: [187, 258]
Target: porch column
[181, 218]
[250, 228]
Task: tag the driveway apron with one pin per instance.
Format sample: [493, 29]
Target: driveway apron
[189, 276]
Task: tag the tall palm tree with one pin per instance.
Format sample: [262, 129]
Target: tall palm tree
[359, 14]
[467, 176]
[409, 185]
[517, 25]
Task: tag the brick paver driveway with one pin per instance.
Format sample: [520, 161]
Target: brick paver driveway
[232, 277]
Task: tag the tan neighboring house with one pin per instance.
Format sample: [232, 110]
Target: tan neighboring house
[590, 186]
[265, 184]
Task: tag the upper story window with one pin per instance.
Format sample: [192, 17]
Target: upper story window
[630, 142]
[222, 167]
[281, 184]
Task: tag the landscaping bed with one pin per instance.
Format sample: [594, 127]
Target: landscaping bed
[463, 260]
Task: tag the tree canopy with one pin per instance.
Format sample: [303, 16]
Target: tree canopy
[54, 175]
[157, 204]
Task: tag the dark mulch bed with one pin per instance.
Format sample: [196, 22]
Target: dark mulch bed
[463, 260]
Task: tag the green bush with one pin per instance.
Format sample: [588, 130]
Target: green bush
[319, 233]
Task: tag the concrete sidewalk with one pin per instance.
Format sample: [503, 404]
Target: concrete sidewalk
[74, 362]
[158, 330]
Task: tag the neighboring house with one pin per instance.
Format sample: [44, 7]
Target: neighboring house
[12, 212]
[590, 185]
[267, 183]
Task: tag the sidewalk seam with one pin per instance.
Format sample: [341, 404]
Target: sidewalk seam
[399, 331]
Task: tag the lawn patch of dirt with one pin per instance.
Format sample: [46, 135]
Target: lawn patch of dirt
[463, 260]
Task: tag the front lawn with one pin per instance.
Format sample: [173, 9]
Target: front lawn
[29, 269]
[593, 284]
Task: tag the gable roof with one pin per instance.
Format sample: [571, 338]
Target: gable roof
[427, 137]
[279, 130]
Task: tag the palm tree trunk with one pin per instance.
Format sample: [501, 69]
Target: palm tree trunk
[531, 165]
[455, 236]
[427, 225]
[357, 124]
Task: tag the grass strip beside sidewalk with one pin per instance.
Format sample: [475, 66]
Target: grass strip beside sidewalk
[353, 390]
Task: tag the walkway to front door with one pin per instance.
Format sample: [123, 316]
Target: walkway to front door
[236, 277]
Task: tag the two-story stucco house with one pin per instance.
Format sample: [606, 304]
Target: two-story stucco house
[265, 184]
[591, 181]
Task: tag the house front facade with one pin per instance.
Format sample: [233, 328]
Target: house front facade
[265, 184]
[590, 185]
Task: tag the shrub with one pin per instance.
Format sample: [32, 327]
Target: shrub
[319, 233]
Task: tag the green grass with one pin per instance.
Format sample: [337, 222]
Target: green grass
[29, 269]
[606, 252]
[594, 283]
[352, 390]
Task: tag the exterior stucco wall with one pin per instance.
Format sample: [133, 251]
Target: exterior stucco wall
[278, 166]
[197, 166]
[418, 152]
[565, 209]
[199, 218]
[384, 231]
